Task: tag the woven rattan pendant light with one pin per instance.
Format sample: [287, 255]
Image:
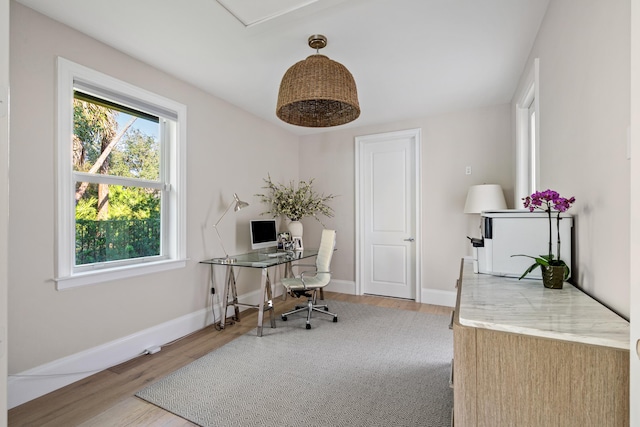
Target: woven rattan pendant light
[318, 92]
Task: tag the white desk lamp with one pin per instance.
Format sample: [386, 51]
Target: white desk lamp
[239, 204]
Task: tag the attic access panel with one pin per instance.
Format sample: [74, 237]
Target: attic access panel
[251, 12]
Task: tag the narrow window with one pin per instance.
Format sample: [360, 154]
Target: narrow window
[533, 146]
[527, 137]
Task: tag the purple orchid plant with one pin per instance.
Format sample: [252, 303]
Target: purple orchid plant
[547, 201]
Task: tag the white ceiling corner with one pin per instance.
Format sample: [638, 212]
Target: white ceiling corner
[251, 12]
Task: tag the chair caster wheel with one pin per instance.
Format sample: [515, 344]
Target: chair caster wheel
[284, 318]
[335, 320]
[308, 326]
[326, 309]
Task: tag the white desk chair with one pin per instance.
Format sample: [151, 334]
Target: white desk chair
[309, 282]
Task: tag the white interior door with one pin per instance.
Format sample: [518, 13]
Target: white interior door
[387, 212]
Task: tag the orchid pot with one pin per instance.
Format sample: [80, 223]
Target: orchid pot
[554, 270]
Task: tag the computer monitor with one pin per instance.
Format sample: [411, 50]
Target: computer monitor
[263, 233]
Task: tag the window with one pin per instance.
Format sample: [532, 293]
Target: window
[527, 137]
[121, 176]
[532, 147]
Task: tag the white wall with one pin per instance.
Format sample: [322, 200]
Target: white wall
[228, 151]
[584, 116]
[4, 200]
[634, 233]
[479, 138]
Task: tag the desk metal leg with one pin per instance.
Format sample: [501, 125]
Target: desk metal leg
[265, 294]
[225, 299]
[270, 299]
[234, 296]
[229, 286]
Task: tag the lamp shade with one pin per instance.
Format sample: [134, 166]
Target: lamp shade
[484, 197]
[317, 92]
[239, 204]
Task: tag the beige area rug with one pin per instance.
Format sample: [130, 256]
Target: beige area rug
[374, 367]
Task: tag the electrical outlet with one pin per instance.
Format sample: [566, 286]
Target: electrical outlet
[153, 350]
[467, 170]
[4, 101]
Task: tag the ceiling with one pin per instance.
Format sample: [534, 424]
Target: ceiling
[410, 58]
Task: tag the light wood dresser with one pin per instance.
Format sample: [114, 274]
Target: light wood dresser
[525, 355]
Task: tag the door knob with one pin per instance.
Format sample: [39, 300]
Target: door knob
[410, 239]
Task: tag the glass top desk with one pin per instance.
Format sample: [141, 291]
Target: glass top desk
[262, 260]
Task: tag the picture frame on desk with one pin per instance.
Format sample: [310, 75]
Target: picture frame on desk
[297, 244]
[284, 240]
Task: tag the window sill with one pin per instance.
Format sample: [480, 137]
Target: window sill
[95, 277]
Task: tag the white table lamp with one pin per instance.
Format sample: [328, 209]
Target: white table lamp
[484, 197]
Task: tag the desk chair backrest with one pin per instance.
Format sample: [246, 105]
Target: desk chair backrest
[325, 253]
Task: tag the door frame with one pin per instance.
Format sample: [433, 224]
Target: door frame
[360, 142]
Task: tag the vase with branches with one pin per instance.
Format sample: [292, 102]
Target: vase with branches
[295, 201]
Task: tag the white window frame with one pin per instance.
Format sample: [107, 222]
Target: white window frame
[173, 253]
[528, 154]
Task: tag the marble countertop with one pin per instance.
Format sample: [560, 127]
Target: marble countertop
[527, 307]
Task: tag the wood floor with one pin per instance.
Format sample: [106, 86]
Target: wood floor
[107, 399]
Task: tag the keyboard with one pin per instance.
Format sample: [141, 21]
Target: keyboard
[276, 254]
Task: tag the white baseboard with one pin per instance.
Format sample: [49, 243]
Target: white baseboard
[46, 378]
[427, 296]
[43, 379]
[342, 286]
[438, 297]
